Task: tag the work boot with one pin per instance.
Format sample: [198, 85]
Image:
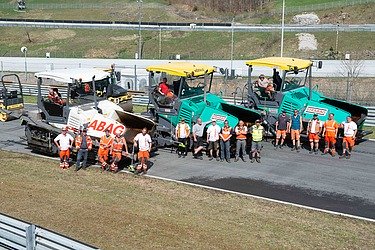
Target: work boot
[343, 156]
[333, 153]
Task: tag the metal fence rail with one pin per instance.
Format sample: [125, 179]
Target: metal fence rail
[123, 4]
[16, 234]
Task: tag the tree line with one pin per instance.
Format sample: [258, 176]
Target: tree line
[223, 5]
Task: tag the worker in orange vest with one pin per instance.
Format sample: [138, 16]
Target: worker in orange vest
[117, 147]
[313, 129]
[104, 147]
[83, 144]
[330, 129]
[225, 135]
[64, 142]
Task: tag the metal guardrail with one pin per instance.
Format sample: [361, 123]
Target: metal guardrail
[31, 89]
[16, 234]
[72, 24]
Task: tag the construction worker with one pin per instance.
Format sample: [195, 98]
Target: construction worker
[83, 144]
[295, 129]
[313, 129]
[225, 135]
[198, 130]
[213, 139]
[350, 131]
[64, 142]
[282, 125]
[143, 142]
[330, 129]
[104, 147]
[116, 151]
[257, 132]
[241, 133]
[182, 135]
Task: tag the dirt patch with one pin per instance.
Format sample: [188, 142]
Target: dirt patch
[306, 19]
[124, 38]
[60, 34]
[307, 41]
[100, 53]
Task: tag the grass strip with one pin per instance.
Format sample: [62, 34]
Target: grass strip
[118, 211]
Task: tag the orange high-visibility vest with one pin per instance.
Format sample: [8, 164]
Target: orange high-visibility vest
[330, 127]
[105, 142]
[225, 132]
[240, 136]
[118, 144]
[78, 141]
[317, 126]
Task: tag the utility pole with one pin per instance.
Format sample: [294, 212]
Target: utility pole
[282, 29]
[159, 42]
[139, 29]
[232, 47]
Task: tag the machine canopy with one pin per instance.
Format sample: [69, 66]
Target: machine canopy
[283, 63]
[67, 75]
[183, 69]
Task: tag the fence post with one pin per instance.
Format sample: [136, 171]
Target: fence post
[30, 237]
[135, 77]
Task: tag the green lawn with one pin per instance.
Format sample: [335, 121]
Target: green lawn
[119, 211]
[84, 43]
[368, 128]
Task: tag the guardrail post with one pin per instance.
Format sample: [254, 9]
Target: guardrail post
[30, 237]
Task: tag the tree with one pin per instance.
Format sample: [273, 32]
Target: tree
[350, 69]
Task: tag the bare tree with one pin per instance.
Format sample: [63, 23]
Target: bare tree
[350, 69]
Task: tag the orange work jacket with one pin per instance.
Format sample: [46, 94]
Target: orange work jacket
[105, 142]
[330, 127]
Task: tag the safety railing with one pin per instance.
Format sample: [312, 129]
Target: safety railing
[17, 234]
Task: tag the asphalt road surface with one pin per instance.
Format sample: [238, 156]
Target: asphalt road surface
[340, 185]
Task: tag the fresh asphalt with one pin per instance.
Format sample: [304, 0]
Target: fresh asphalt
[320, 181]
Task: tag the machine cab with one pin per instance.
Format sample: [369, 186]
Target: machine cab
[281, 75]
[171, 83]
[11, 97]
[68, 88]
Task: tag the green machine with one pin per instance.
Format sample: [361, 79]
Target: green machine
[189, 98]
[293, 89]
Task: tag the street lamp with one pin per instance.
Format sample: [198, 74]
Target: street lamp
[232, 47]
[24, 50]
[282, 30]
[139, 2]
